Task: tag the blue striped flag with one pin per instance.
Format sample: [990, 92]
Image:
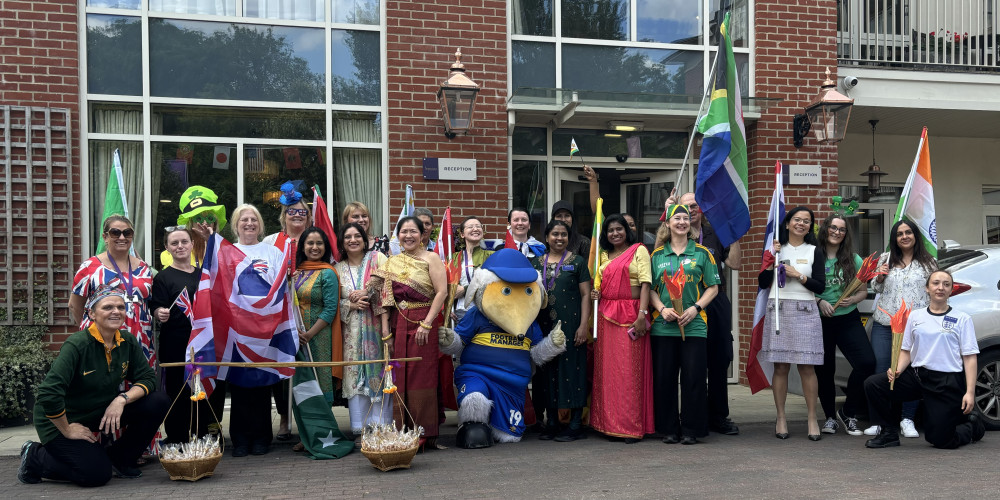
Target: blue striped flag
[721, 190]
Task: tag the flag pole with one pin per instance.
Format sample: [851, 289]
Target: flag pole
[694, 129]
[777, 260]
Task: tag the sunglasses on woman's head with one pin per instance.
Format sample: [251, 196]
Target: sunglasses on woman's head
[118, 233]
[297, 211]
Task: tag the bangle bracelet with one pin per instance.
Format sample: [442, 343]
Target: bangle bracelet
[425, 326]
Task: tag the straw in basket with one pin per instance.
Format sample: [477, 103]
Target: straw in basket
[385, 446]
[197, 458]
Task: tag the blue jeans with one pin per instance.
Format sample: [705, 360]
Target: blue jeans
[882, 346]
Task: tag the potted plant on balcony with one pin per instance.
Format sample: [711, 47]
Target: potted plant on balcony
[945, 43]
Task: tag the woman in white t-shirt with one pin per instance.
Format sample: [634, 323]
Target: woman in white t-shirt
[937, 363]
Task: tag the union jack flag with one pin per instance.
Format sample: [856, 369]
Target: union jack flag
[183, 302]
[241, 317]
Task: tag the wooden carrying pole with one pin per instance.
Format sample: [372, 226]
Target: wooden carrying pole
[292, 364]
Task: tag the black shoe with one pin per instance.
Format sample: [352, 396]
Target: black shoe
[23, 474]
[240, 451]
[126, 471]
[885, 439]
[671, 439]
[285, 436]
[632, 440]
[978, 428]
[569, 435]
[779, 435]
[259, 449]
[688, 440]
[815, 437]
[548, 433]
[726, 427]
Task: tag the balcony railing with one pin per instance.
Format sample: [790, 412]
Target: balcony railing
[954, 35]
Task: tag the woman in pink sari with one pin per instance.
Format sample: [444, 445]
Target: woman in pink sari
[412, 287]
[622, 400]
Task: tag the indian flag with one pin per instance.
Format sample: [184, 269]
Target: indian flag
[917, 201]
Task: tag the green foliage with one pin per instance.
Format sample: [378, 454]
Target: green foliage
[24, 360]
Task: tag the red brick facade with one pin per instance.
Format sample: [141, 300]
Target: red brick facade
[421, 41]
[39, 68]
[795, 45]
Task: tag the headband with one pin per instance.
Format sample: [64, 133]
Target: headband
[673, 209]
[104, 292]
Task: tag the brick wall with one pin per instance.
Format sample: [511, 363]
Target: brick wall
[39, 67]
[795, 46]
[421, 41]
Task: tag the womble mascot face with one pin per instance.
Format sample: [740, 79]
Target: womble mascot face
[508, 291]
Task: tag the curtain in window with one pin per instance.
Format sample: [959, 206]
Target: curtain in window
[358, 171]
[117, 121]
[302, 10]
[210, 7]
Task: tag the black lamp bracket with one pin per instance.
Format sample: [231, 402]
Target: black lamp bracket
[800, 128]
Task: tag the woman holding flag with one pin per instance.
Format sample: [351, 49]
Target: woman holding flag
[792, 328]
[469, 256]
[623, 390]
[317, 286]
[904, 269]
[679, 335]
[175, 330]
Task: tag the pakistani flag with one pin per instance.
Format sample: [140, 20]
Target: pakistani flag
[114, 196]
[318, 428]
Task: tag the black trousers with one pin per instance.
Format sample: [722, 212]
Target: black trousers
[250, 415]
[945, 426]
[181, 419]
[670, 356]
[846, 332]
[89, 464]
[720, 355]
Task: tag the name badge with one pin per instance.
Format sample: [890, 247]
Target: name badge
[802, 261]
[568, 267]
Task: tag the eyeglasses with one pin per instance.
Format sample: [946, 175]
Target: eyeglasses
[204, 219]
[118, 233]
[474, 226]
[797, 220]
[297, 211]
[170, 229]
[835, 229]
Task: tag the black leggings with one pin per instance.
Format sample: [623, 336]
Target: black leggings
[847, 332]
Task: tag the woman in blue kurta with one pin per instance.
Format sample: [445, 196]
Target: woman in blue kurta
[562, 383]
[673, 353]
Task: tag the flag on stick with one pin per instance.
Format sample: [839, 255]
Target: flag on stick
[445, 240]
[406, 211]
[572, 148]
[114, 196]
[183, 303]
[314, 418]
[321, 219]
[917, 201]
[759, 372]
[594, 259]
[721, 189]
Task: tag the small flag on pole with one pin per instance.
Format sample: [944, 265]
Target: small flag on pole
[572, 148]
[445, 240]
[183, 303]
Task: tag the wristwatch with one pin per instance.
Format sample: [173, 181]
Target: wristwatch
[802, 279]
[698, 307]
[643, 312]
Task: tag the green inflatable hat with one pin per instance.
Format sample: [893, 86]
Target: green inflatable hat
[199, 199]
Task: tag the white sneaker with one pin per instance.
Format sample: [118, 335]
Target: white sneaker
[873, 430]
[907, 428]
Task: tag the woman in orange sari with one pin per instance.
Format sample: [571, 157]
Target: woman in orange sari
[622, 399]
[412, 287]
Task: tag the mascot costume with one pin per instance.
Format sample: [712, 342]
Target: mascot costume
[497, 340]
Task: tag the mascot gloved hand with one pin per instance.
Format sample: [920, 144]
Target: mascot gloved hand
[497, 341]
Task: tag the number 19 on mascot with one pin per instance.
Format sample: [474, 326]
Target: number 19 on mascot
[497, 341]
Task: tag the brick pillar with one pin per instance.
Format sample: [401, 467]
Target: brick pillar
[421, 41]
[39, 67]
[795, 45]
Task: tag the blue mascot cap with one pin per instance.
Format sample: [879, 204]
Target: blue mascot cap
[511, 266]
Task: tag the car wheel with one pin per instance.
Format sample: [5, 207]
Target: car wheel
[988, 388]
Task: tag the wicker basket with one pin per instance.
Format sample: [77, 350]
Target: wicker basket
[191, 470]
[389, 460]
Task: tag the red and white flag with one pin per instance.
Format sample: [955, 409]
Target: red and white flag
[445, 240]
[321, 219]
[759, 373]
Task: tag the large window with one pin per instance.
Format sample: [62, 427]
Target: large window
[239, 96]
[640, 46]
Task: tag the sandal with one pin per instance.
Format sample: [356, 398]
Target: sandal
[299, 447]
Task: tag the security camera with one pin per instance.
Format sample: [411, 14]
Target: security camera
[621, 158]
[849, 82]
